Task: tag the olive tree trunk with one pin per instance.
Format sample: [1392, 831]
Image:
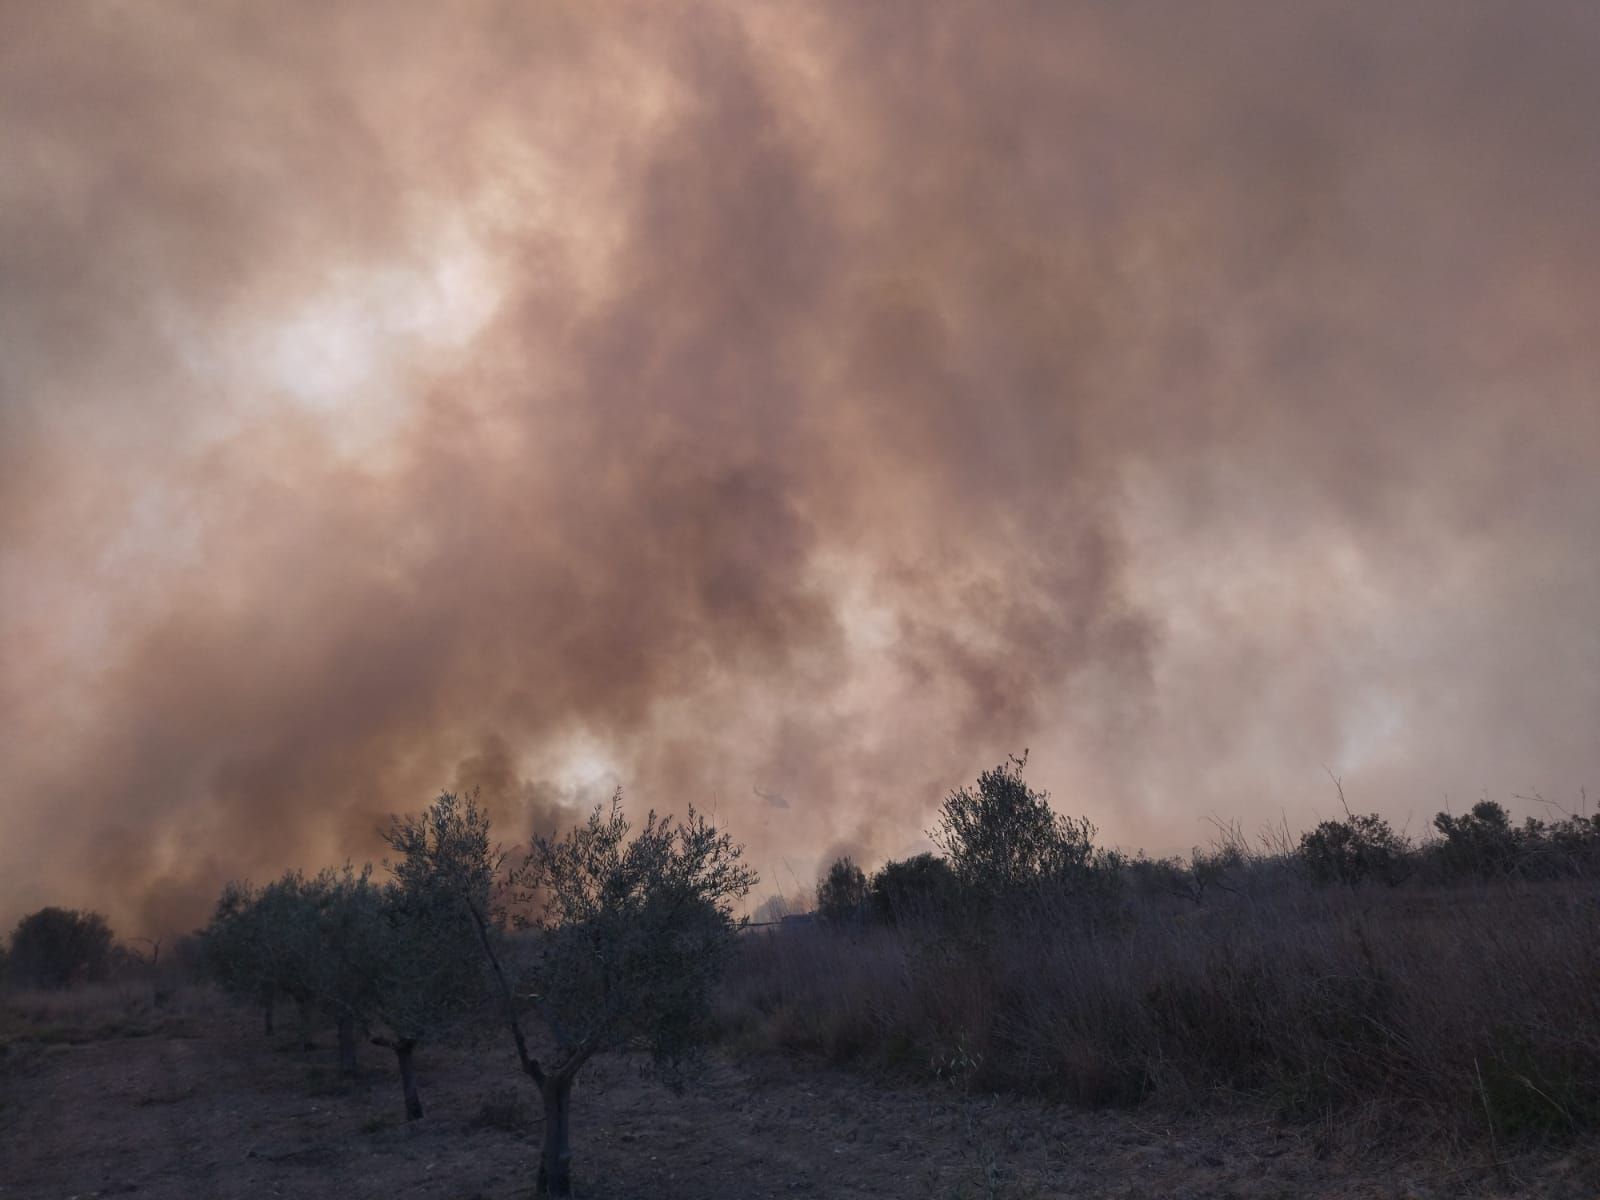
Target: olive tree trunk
[555, 1160]
[403, 1049]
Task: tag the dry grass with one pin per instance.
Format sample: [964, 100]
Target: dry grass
[232, 1115]
[97, 1012]
[1280, 1041]
[208, 1106]
[1476, 1010]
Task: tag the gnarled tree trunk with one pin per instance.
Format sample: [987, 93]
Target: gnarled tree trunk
[555, 1160]
[403, 1048]
[266, 1010]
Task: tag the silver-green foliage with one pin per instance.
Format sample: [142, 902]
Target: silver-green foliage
[264, 942]
[428, 965]
[630, 932]
[1004, 840]
[622, 936]
[400, 954]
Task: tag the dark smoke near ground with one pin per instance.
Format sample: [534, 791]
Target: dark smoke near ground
[825, 400]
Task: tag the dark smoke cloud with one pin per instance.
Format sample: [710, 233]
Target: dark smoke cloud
[825, 400]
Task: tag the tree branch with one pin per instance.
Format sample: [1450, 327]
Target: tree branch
[529, 1065]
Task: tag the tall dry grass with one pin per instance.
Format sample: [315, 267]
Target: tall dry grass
[1480, 1005]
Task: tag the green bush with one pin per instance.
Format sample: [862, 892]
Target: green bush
[1359, 848]
[1569, 848]
[919, 888]
[1482, 845]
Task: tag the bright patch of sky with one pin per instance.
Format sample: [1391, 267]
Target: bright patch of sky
[580, 766]
[351, 354]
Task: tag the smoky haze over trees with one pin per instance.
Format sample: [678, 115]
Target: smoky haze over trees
[812, 399]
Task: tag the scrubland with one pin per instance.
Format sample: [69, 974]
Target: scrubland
[1470, 1013]
[1403, 1042]
[1025, 1015]
[128, 1089]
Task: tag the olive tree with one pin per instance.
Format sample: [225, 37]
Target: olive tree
[1003, 839]
[296, 937]
[625, 933]
[344, 956]
[288, 929]
[262, 944]
[427, 966]
[402, 958]
[231, 953]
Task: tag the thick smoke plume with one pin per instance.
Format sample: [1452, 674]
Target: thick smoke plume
[785, 409]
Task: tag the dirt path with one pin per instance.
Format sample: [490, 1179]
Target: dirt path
[228, 1115]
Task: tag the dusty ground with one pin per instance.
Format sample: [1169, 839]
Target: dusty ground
[188, 1100]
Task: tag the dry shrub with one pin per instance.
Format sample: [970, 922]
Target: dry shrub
[1480, 1005]
[768, 992]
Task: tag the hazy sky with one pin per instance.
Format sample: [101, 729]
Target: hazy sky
[825, 399]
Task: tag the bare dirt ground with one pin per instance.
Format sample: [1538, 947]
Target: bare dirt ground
[189, 1101]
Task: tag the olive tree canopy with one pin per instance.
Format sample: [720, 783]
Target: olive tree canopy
[622, 937]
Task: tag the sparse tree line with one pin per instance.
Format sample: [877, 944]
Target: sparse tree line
[1050, 963]
[1483, 846]
[1002, 846]
[605, 938]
